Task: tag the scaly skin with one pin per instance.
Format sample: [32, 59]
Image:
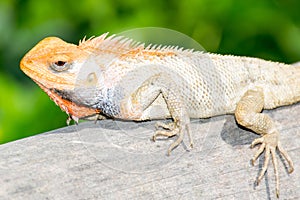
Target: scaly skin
[114, 77]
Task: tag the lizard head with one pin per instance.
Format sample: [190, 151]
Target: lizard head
[54, 65]
[51, 63]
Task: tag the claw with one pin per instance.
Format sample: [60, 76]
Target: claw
[72, 117]
[269, 143]
[68, 120]
[275, 164]
[154, 138]
[265, 165]
[286, 156]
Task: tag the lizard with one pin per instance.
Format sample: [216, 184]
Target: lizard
[116, 77]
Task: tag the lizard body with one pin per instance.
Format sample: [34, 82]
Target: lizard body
[116, 77]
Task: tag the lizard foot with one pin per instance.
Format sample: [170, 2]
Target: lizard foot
[171, 130]
[269, 143]
[170, 133]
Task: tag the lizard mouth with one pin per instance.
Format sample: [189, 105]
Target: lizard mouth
[71, 108]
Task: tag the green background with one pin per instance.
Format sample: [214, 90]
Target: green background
[268, 29]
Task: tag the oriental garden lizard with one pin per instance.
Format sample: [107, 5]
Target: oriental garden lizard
[115, 77]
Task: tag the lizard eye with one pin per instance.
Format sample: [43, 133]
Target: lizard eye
[60, 66]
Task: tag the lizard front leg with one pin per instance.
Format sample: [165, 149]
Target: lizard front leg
[248, 115]
[146, 94]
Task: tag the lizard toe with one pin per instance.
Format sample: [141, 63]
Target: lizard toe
[167, 126]
[269, 144]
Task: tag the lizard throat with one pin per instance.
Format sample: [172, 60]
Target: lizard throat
[68, 106]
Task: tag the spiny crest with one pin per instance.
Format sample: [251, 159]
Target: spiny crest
[166, 48]
[120, 44]
[92, 41]
[112, 43]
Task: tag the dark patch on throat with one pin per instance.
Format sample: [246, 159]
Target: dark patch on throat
[62, 94]
[108, 102]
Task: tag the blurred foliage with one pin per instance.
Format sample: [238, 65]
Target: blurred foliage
[268, 29]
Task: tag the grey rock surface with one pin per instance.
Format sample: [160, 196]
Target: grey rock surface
[117, 160]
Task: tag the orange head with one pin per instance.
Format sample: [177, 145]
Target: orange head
[54, 65]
